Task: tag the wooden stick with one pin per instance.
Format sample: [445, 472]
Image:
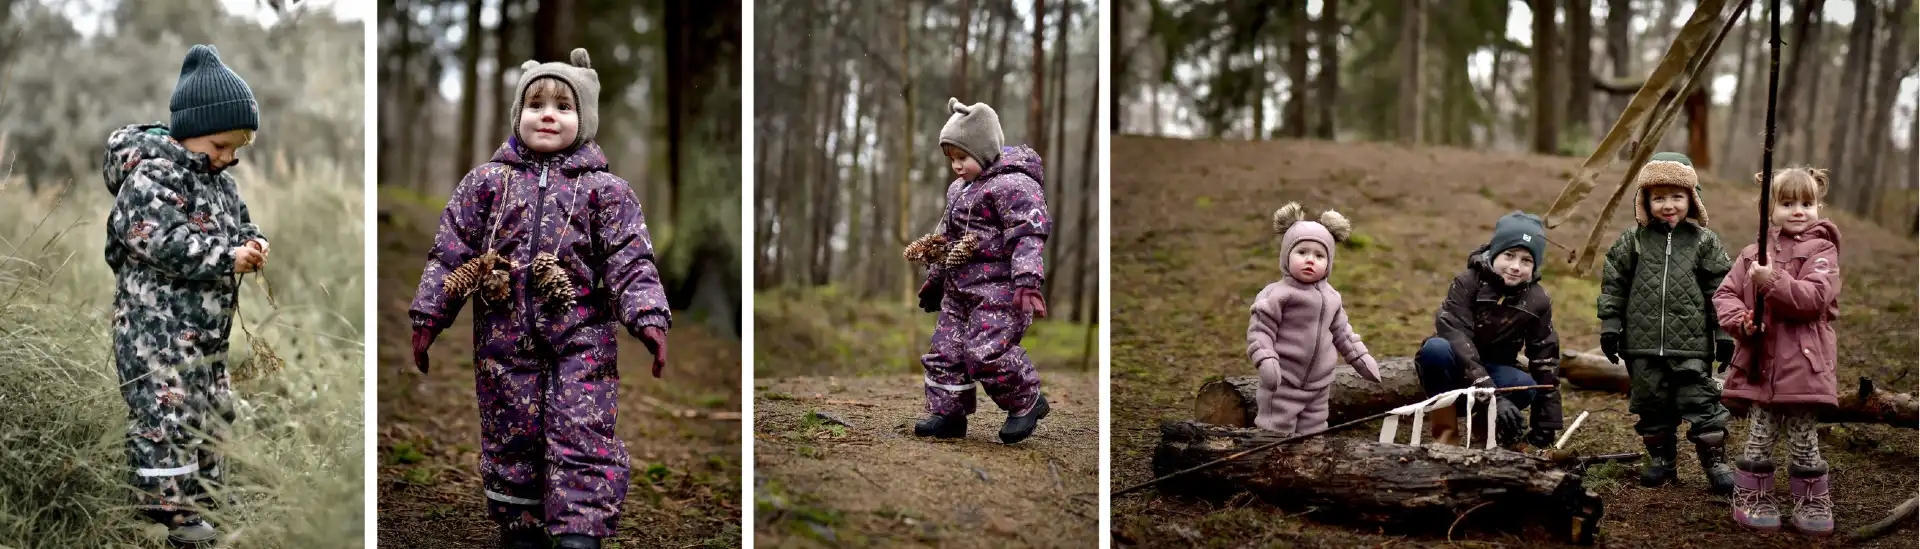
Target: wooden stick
[1899, 515]
[1766, 185]
[1570, 429]
[1271, 445]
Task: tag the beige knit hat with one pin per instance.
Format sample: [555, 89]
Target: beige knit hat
[975, 129]
[579, 75]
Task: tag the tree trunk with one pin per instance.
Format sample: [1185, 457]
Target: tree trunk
[1893, 60]
[1059, 140]
[1854, 85]
[1230, 401]
[552, 29]
[1741, 81]
[960, 39]
[1329, 92]
[1413, 44]
[1580, 57]
[1037, 106]
[1297, 86]
[1590, 371]
[1407, 489]
[907, 287]
[1086, 290]
[1005, 14]
[1257, 93]
[402, 163]
[503, 65]
[1546, 130]
[1620, 50]
[1809, 116]
[1791, 110]
[469, 90]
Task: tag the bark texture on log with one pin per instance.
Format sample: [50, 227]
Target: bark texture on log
[1591, 371]
[1869, 404]
[1395, 486]
[1230, 402]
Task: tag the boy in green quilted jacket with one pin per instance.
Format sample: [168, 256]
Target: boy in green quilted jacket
[1656, 311]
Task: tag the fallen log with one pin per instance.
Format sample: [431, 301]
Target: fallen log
[1590, 371]
[1230, 402]
[1869, 404]
[1392, 486]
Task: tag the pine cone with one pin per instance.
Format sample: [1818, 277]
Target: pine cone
[961, 251]
[466, 278]
[926, 250]
[498, 283]
[552, 281]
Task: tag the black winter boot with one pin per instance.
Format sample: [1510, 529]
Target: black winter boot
[1660, 460]
[1711, 448]
[189, 531]
[939, 426]
[523, 538]
[1020, 427]
[575, 541]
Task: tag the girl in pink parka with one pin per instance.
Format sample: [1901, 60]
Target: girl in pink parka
[1801, 286]
[1299, 329]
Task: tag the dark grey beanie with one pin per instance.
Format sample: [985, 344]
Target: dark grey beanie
[1519, 230]
[210, 98]
[578, 75]
[973, 128]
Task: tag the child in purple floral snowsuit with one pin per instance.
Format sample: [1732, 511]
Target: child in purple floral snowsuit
[986, 290]
[573, 259]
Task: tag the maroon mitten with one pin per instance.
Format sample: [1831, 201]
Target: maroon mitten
[656, 342]
[422, 338]
[1030, 302]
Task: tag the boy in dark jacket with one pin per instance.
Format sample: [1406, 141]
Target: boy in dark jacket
[1656, 310]
[1495, 308]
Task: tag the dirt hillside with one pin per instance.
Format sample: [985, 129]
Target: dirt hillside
[1192, 244]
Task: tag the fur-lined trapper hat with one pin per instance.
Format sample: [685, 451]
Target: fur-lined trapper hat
[1289, 222]
[1668, 169]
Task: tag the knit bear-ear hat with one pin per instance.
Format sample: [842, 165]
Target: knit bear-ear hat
[1668, 169]
[578, 75]
[1290, 223]
[975, 129]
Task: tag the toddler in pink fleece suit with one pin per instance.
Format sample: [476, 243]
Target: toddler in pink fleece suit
[1299, 324]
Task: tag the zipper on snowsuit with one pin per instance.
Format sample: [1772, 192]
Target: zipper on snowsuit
[533, 245]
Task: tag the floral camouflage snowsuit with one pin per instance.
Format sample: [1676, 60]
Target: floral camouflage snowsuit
[546, 375]
[978, 335]
[170, 240]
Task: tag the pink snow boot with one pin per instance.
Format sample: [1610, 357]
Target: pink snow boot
[1812, 504]
[1753, 505]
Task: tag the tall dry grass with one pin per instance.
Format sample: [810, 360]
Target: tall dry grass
[295, 451]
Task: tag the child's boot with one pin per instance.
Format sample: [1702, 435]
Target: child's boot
[1018, 428]
[1753, 505]
[1812, 505]
[575, 541]
[523, 538]
[1445, 426]
[942, 426]
[1660, 460]
[191, 531]
[1711, 448]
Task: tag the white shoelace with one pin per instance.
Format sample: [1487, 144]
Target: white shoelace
[1756, 502]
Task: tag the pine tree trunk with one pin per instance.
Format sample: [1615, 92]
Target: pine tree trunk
[1005, 14]
[469, 91]
[1413, 71]
[1742, 79]
[1854, 84]
[1329, 48]
[1037, 106]
[1546, 130]
[907, 287]
[1580, 69]
[1058, 184]
[552, 27]
[1791, 109]
[1897, 57]
[1297, 86]
[1620, 50]
[1086, 290]
[960, 38]
[1813, 110]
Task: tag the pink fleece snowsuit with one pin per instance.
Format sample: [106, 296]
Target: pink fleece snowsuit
[1293, 337]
